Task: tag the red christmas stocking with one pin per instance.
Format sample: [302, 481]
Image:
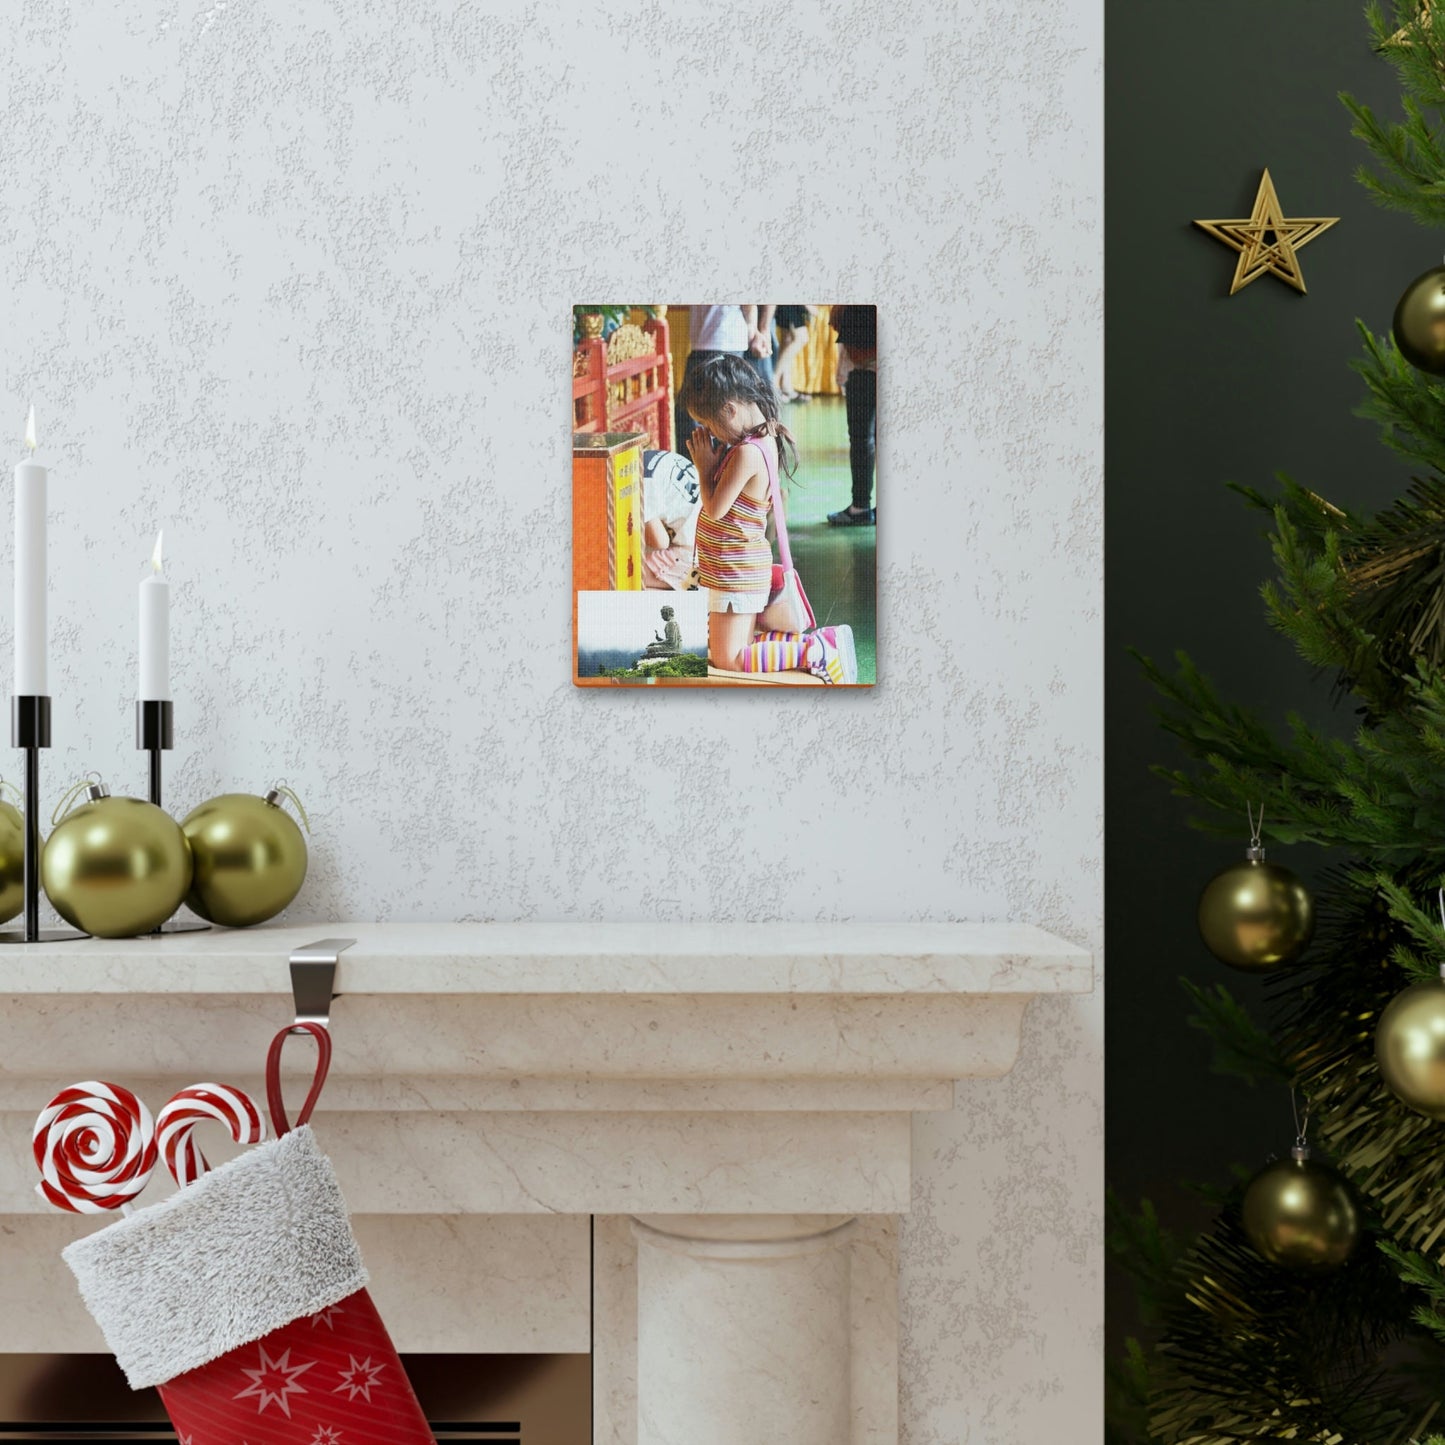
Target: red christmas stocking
[243, 1298]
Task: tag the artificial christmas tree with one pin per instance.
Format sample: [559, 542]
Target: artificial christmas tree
[1248, 1348]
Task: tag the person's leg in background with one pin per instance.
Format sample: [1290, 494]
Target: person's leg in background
[791, 342]
[763, 365]
[860, 396]
[862, 407]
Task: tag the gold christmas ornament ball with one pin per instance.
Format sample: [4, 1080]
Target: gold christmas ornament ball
[12, 861]
[250, 858]
[115, 867]
[1256, 916]
[1301, 1215]
[1419, 325]
[1410, 1048]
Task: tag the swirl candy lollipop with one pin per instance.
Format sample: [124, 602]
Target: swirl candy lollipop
[95, 1146]
[200, 1104]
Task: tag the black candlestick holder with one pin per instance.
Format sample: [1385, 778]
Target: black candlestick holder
[30, 730]
[155, 733]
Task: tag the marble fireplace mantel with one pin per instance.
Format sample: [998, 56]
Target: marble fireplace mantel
[732, 1102]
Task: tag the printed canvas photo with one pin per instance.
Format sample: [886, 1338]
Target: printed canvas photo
[724, 495]
[641, 636]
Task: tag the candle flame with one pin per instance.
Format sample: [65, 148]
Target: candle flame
[30, 429]
[156, 555]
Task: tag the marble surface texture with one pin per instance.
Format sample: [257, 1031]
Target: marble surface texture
[427, 1274]
[573, 958]
[292, 279]
[438, 1164]
[746, 1125]
[776, 1310]
[872, 1311]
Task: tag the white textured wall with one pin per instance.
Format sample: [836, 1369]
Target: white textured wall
[293, 278]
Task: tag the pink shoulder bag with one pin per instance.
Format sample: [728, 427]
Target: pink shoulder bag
[788, 608]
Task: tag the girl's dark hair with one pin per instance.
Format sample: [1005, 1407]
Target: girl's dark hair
[710, 384]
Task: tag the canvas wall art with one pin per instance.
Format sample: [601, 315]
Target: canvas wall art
[724, 495]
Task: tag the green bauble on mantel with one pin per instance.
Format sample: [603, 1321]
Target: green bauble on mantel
[12, 859]
[250, 857]
[114, 867]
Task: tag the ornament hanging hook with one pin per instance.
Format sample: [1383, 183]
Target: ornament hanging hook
[1440, 898]
[1301, 1126]
[91, 780]
[1256, 833]
[280, 789]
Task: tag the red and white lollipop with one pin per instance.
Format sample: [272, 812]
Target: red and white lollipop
[95, 1146]
[204, 1104]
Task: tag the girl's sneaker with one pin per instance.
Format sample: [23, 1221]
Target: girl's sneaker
[831, 655]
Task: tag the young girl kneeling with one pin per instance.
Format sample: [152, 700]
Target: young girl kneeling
[737, 451]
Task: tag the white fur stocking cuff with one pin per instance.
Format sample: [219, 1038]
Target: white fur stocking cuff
[250, 1247]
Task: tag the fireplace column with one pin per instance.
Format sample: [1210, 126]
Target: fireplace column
[743, 1329]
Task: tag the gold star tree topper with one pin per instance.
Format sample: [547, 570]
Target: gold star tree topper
[1267, 241]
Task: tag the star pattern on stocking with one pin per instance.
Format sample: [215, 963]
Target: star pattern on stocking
[359, 1378]
[274, 1381]
[327, 1317]
[326, 1435]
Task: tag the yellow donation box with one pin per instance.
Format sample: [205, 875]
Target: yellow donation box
[607, 511]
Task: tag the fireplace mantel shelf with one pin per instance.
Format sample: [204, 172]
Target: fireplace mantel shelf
[573, 958]
[732, 1102]
[876, 1021]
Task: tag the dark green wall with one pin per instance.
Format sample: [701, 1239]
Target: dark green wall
[1203, 388]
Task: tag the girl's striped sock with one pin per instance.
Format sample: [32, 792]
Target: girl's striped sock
[776, 652]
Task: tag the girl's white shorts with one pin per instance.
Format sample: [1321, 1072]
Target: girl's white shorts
[740, 602]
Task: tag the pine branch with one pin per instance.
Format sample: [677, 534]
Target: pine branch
[1253, 1353]
[1382, 796]
[1126, 1397]
[1308, 512]
[1241, 1048]
[1207, 726]
[1257, 1353]
[1392, 579]
[1328, 1011]
[1150, 1255]
[1409, 162]
[1426, 1276]
[1149, 1252]
[1421, 929]
[1408, 404]
[1315, 603]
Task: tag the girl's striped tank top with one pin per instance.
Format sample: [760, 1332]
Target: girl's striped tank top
[733, 552]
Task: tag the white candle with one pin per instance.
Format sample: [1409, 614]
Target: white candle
[155, 632]
[30, 630]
